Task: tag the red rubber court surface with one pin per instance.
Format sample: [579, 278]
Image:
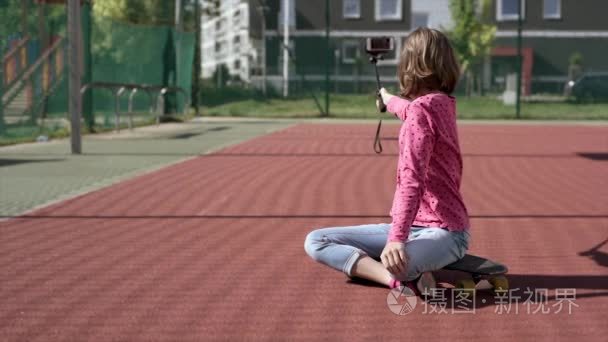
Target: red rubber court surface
[212, 248]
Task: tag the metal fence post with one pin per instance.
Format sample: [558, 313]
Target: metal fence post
[1, 95]
[117, 108]
[196, 85]
[178, 46]
[519, 62]
[74, 99]
[160, 102]
[130, 110]
[328, 57]
[87, 101]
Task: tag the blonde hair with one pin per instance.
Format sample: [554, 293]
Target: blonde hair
[427, 63]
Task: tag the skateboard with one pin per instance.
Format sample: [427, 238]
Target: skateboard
[480, 269]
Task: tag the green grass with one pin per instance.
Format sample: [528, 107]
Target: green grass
[491, 108]
[362, 106]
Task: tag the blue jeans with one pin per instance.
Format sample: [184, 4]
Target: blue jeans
[428, 249]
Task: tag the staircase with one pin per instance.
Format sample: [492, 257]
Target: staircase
[18, 105]
[14, 110]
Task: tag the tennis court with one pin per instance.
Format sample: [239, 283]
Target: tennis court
[212, 247]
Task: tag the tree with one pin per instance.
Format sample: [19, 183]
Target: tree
[146, 12]
[15, 14]
[472, 36]
[10, 17]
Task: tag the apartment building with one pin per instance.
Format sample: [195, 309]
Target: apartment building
[238, 43]
[350, 22]
[227, 40]
[553, 31]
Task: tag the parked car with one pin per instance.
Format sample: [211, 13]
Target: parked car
[590, 87]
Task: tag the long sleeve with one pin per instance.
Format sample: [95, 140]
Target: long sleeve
[398, 106]
[417, 141]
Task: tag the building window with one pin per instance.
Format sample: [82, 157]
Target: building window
[388, 10]
[420, 19]
[236, 18]
[236, 44]
[351, 9]
[552, 9]
[237, 64]
[508, 9]
[292, 13]
[351, 51]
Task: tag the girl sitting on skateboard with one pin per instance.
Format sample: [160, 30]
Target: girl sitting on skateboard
[429, 227]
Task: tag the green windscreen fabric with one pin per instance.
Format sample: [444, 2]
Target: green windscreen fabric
[137, 54]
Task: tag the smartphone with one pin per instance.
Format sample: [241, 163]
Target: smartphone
[379, 45]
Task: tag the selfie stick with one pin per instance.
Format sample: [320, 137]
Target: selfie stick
[381, 105]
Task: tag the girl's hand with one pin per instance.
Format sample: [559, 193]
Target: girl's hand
[386, 96]
[394, 257]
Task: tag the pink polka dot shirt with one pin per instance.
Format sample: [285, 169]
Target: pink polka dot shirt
[429, 169]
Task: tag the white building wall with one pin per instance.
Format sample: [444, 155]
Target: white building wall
[228, 42]
[437, 12]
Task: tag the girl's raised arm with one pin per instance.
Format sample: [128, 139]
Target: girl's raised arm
[399, 107]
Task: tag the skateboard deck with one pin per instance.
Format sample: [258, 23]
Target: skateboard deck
[480, 269]
[477, 265]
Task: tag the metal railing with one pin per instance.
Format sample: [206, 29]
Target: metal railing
[160, 100]
[118, 89]
[45, 75]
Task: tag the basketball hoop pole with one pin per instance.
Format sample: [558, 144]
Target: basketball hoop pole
[74, 99]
